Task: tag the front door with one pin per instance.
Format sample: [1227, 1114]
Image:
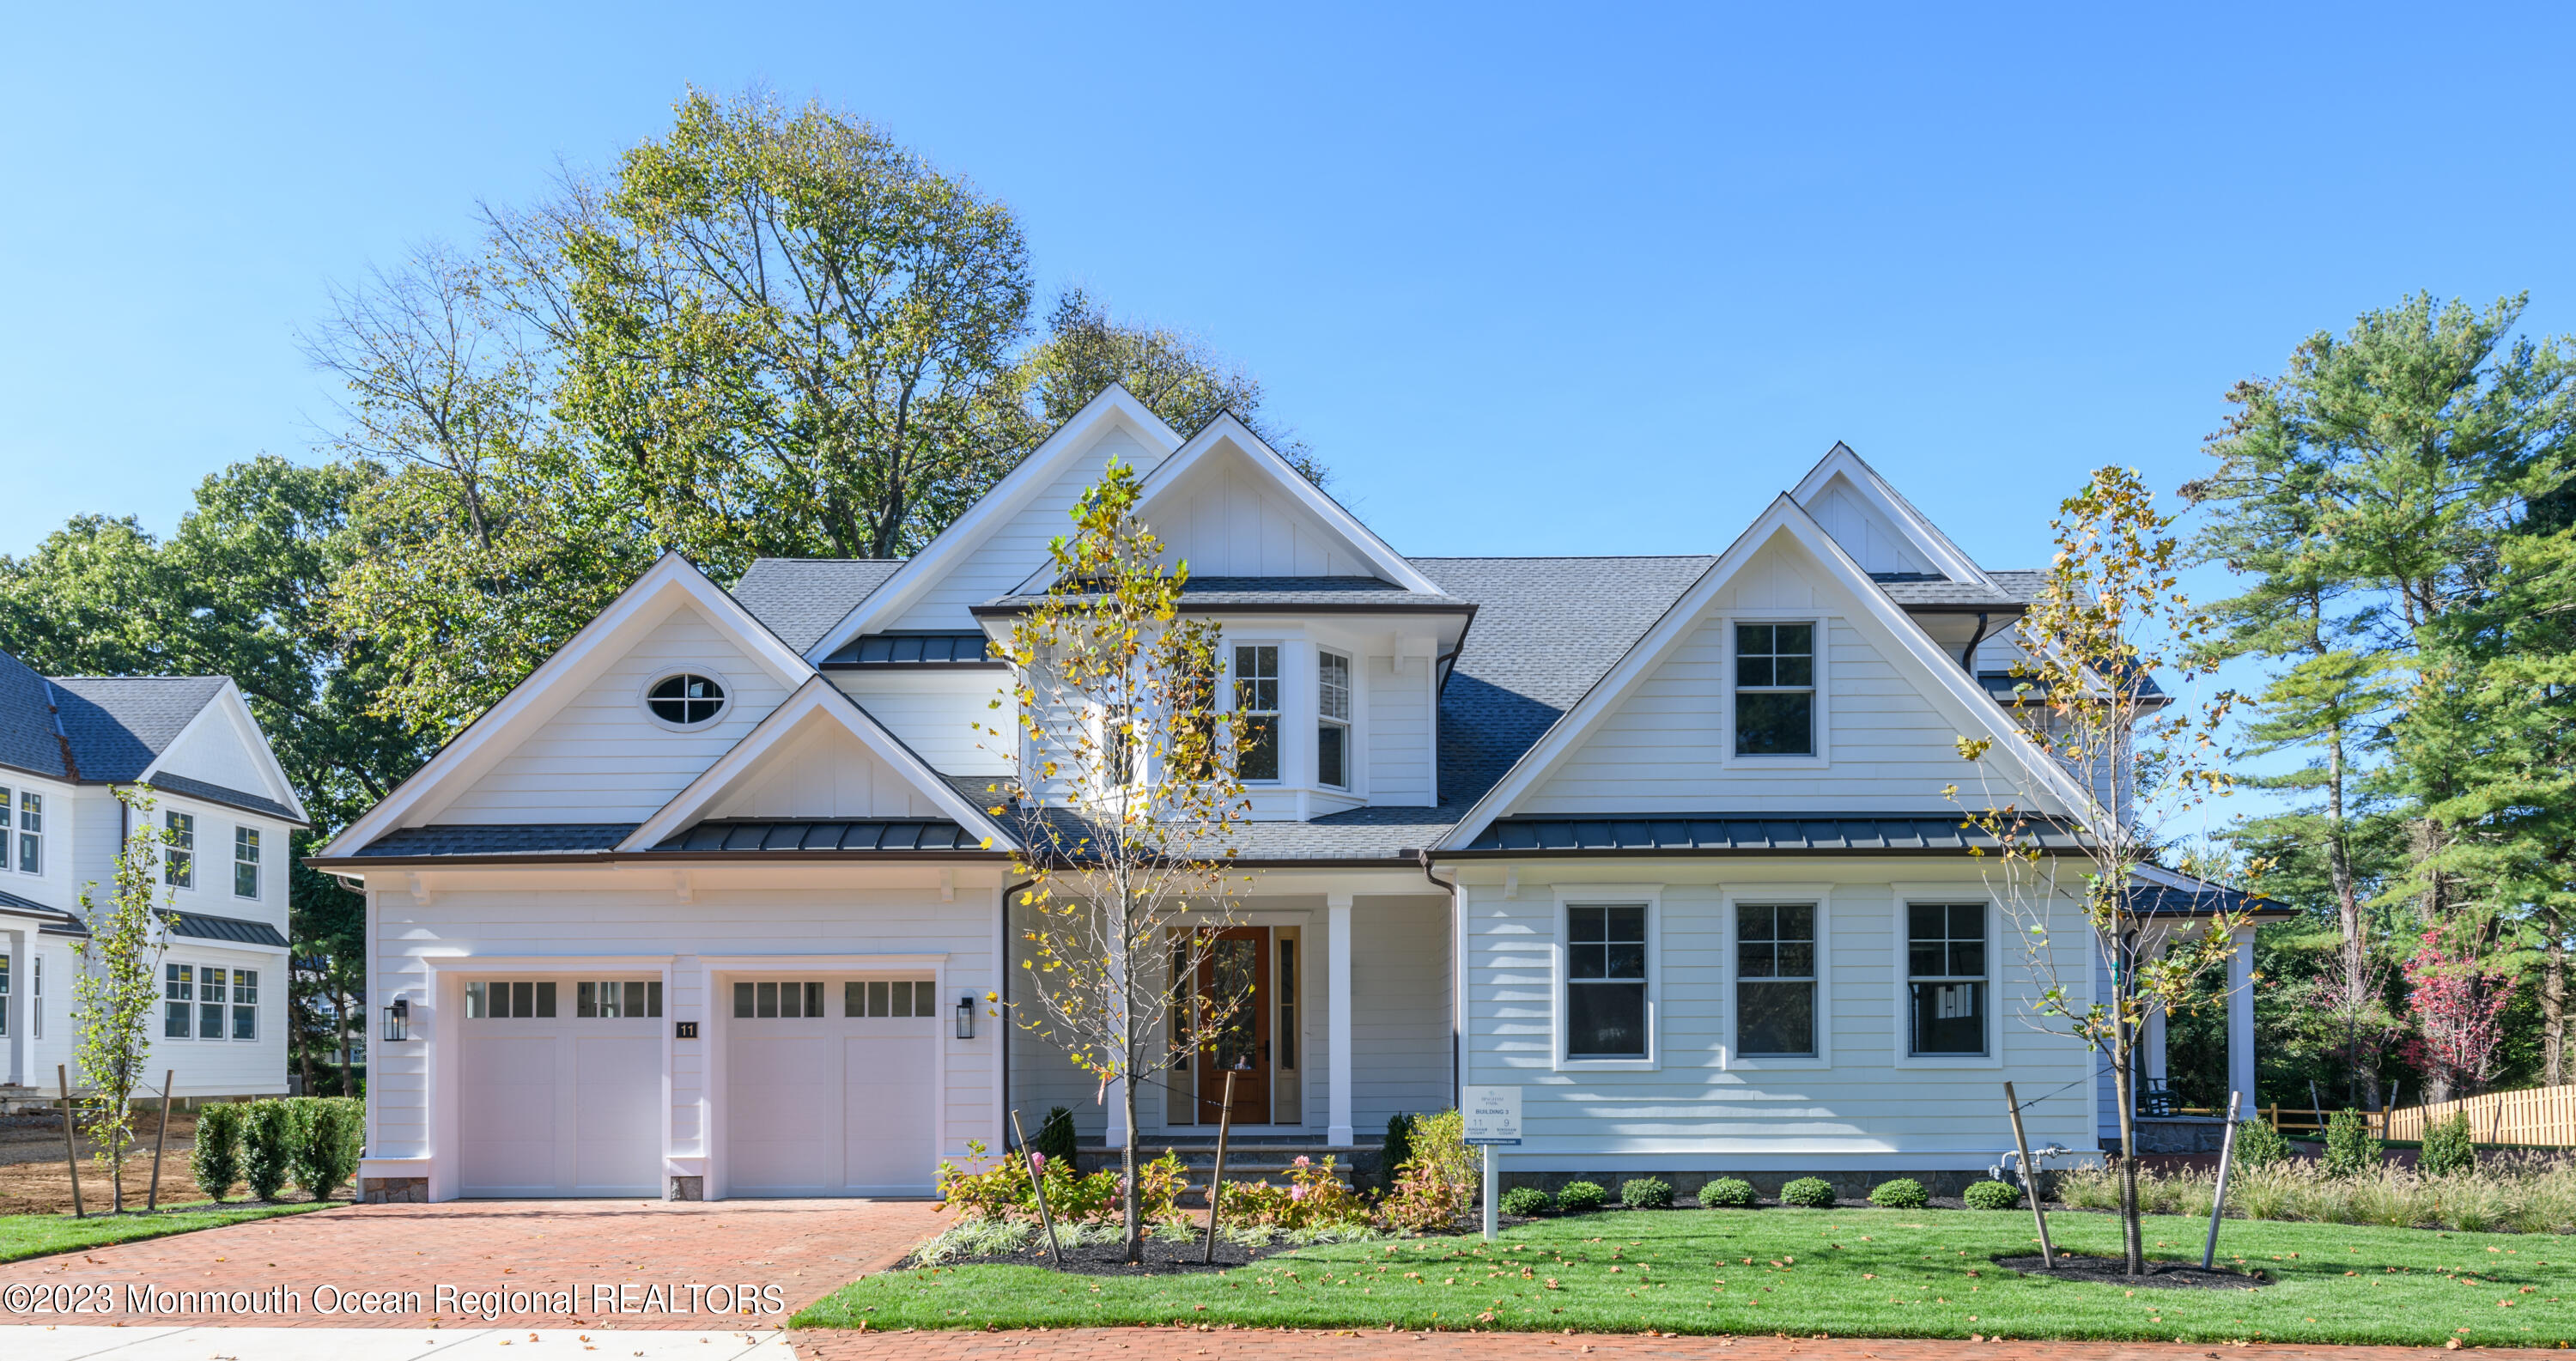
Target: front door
[1235, 989]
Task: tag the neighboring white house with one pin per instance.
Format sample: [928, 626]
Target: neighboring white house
[707, 905]
[67, 743]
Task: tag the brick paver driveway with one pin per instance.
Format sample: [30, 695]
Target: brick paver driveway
[591, 1249]
[1190, 1344]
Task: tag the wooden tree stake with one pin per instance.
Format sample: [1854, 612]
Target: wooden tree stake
[71, 1146]
[1216, 1181]
[2030, 1181]
[2226, 1159]
[1037, 1184]
[160, 1141]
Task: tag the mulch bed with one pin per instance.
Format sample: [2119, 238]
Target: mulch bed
[2160, 1275]
[1162, 1258]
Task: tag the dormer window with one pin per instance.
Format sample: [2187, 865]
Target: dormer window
[1256, 698]
[1333, 721]
[1775, 689]
[686, 700]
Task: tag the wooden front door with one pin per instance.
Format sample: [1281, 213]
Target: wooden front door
[1234, 986]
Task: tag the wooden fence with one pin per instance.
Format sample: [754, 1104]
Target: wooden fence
[2542, 1115]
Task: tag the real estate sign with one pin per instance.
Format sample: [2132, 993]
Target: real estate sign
[1493, 1114]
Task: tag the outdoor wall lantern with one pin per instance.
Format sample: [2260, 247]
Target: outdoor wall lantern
[966, 1017]
[398, 1019]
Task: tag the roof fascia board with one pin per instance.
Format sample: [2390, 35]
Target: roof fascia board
[1883, 497]
[969, 531]
[671, 581]
[1783, 516]
[816, 697]
[235, 710]
[1227, 431]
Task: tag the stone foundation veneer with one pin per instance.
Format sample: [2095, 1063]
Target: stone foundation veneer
[393, 1191]
[686, 1188]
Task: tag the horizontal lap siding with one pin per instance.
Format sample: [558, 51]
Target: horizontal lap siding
[781, 922]
[1397, 744]
[1400, 1012]
[600, 759]
[1665, 748]
[1864, 1105]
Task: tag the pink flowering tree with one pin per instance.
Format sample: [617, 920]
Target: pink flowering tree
[2458, 1000]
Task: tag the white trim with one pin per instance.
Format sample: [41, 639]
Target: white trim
[724, 702]
[1901, 1009]
[247, 732]
[1782, 517]
[1820, 717]
[670, 582]
[1227, 432]
[1730, 1055]
[816, 696]
[968, 532]
[1883, 497]
[1607, 895]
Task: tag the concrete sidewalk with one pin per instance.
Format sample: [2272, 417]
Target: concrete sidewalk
[37, 1343]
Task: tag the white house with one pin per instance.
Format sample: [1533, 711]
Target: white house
[67, 743]
[706, 905]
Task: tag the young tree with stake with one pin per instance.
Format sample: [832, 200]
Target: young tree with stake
[114, 991]
[2109, 616]
[1128, 793]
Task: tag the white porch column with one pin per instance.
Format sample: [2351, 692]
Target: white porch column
[2240, 1017]
[14, 945]
[1337, 1017]
[2155, 1045]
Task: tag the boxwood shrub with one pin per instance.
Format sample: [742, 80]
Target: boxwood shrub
[1727, 1193]
[1525, 1202]
[1904, 1193]
[1580, 1197]
[1814, 1193]
[1646, 1193]
[1992, 1195]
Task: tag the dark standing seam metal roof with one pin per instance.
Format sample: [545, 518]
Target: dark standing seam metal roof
[476, 839]
[199, 926]
[230, 798]
[28, 738]
[55, 921]
[1665, 835]
[800, 599]
[883, 836]
[923, 647]
[118, 725]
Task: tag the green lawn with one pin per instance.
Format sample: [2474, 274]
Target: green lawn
[40, 1235]
[1874, 1273]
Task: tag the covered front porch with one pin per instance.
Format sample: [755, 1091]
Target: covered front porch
[1350, 1023]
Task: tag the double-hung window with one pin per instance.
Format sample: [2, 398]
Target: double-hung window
[245, 862]
[25, 812]
[1605, 981]
[1775, 978]
[1256, 701]
[210, 1002]
[4, 994]
[1945, 966]
[1775, 689]
[245, 1004]
[179, 868]
[1333, 720]
[178, 1000]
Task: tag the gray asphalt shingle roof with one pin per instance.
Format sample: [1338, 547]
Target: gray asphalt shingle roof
[28, 739]
[232, 798]
[1339, 593]
[482, 839]
[117, 725]
[800, 599]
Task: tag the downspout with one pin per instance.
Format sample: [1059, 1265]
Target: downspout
[1457, 973]
[1002, 1000]
[1968, 655]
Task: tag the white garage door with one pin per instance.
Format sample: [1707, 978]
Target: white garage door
[562, 1085]
[829, 1087]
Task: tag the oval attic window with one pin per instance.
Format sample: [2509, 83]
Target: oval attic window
[686, 700]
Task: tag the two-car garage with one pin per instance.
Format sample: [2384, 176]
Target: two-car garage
[828, 1086]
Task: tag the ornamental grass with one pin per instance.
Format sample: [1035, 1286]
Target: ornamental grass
[2518, 1193]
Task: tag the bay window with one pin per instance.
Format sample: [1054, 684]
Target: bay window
[1333, 721]
[1256, 700]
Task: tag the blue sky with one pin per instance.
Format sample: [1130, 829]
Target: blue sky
[1575, 280]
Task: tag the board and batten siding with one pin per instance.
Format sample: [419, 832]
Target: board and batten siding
[841, 914]
[823, 770]
[1224, 520]
[936, 713]
[1017, 547]
[1862, 1107]
[602, 758]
